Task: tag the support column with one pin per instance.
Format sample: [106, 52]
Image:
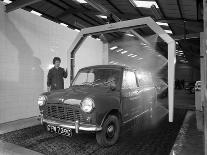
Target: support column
[171, 78]
[105, 55]
[205, 47]
[202, 67]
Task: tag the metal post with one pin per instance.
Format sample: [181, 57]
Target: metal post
[171, 78]
[205, 47]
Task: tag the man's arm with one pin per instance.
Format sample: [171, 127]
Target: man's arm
[49, 80]
[65, 73]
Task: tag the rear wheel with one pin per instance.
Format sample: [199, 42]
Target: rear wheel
[110, 131]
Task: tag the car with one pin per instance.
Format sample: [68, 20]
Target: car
[190, 87]
[100, 99]
[198, 86]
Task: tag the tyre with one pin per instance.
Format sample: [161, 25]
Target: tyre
[110, 131]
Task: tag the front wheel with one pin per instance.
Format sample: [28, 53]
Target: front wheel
[110, 131]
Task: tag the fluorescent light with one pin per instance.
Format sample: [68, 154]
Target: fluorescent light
[77, 30]
[111, 62]
[63, 24]
[161, 23]
[81, 1]
[113, 48]
[102, 16]
[131, 35]
[36, 13]
[168, 31]
[134, 56]
[115, 63]
[124, 52]
[140, 58]
[130, 55]
[143, 44]
[144, 4]
[119, 50]
[7, 1]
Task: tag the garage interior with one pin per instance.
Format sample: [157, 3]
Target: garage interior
[33, 32]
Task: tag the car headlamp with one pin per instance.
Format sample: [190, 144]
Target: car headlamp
[87, 105]
[41, 100]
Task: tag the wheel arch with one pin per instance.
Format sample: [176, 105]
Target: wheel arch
[115, 112]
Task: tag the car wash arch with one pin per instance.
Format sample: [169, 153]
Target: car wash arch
[130, 25]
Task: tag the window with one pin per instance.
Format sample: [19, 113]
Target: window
[97, 77]
[129, 80]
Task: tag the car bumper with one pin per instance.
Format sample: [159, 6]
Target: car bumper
[72, 125]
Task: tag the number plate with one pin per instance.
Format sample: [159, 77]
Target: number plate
[59, 130]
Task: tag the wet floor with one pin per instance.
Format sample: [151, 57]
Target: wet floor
[145, 136]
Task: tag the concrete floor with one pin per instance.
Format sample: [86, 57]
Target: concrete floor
[182, 100]
[12, 149]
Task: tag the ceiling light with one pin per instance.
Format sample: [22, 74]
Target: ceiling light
[134, 56]
[130, 55]
[161, 23]
[123, 52]
[119, 50]
[77, 30]
[140, 58]
[131, 35]
[111, 62]
[115, 63]
[113, 48]
[81, 1]
[159, 55]
[98, 39]
[176, 42]
[143, 44]
[7, 1]
[102, 16]
[168, 31]
[63, 24]
[36, 13]
[144, 4]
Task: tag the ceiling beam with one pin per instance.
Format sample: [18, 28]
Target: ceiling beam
[187, 36]
[19, 4]
[77, 11]
[108, 13]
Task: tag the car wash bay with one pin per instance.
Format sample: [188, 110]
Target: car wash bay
[31, 35]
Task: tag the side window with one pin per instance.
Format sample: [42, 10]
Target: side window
[129, 80]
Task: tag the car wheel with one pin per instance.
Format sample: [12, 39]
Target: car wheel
[110, 131]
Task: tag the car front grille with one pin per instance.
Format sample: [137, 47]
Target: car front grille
[63, 112]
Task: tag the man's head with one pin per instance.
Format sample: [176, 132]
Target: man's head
[56, 62]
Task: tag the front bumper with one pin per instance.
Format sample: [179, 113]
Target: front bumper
[72, 125]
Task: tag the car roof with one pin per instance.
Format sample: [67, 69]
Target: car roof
[107, 67]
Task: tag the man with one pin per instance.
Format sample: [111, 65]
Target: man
[55, 76]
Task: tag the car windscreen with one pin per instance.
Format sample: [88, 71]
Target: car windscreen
[97, 77]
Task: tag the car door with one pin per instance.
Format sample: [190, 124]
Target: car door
[147, 90]
[130, 96]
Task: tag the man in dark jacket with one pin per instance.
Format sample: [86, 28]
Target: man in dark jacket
[55, 76]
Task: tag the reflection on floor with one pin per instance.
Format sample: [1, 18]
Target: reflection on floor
[190, 140]
[18, 124]
[12, 149]
[136, 136]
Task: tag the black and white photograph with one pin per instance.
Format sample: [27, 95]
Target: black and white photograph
[103, 77]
